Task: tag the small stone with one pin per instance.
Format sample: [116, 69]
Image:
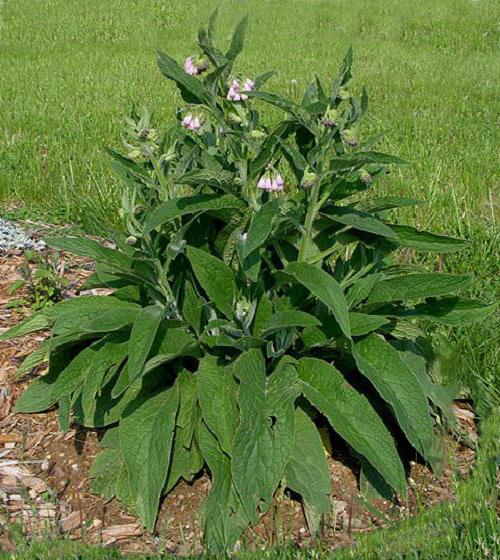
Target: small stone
[10, 445]
[45, 466]
[302, 530]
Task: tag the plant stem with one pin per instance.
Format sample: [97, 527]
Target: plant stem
[311, 214]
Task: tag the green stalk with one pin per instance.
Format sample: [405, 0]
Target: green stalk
[311, 214]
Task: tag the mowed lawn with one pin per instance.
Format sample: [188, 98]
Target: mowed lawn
[71, 69]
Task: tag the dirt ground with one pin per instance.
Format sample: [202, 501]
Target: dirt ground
[44, 473]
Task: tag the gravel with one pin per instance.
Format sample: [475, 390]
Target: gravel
[12, 237]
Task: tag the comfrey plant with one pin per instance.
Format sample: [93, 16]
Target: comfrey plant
[257, 293]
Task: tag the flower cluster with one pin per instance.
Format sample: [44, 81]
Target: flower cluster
[195, 65]
[192, 122]
[271, 182]
[235, 89]
[330, 118]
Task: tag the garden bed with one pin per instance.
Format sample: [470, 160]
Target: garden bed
[45, 486]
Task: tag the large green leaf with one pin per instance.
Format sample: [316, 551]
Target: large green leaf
[325, 288]
[36, 322]
[453, 311]
[359, 220]
[217, 390]
[427, 241]
[264, 439]
[191, 88]
[362, 323]
[352, 417]
[146, 434]
[142, 337]
[290, 318]
[307, 471]
[112, 320]
[412, 286]
[261, 226]
[92, 249]
[178, 207]
[383, 203]
[170, 343]
[186, 459]
[225, 516]
[215, 277]
[361, 158]
[397, 385]
[105, 359]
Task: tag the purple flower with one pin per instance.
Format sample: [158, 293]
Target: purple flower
[265, 183]
[187, 121]
[195, 65]
[248, 85]
[278, 183]
[190, 67]
[196, 124]
[234, 93]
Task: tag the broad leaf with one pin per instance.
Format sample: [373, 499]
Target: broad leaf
[412, 286]
[215, 277]
[146, 434]
[290, 318]
[225, 517]
[397, 385]
[264, 439]
[178, 207]
[362, 323]
[217, 389]
[325, 288]
[359, 220]
[427, 241]
[353, 418]
[260, 227]
[307, 472]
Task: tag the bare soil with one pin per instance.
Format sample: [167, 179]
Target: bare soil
[45, 487]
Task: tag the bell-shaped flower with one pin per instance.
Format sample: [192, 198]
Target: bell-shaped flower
[187, 121]
[330, 118]
[189, 66]
[234, 93]
[248, 85]
[265, 183]
[278, 183]
[350, 137]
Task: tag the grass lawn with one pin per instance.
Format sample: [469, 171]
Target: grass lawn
[71, 69]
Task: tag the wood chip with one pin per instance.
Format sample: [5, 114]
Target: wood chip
[71, 522]
[121, 531]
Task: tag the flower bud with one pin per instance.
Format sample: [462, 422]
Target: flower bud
[189, 66]
[365, 177]
[309, 179]
[187, 120]
[330, 118]
[131, 240]
[257, 134]
[248, 85]
[343, 94]
[350, 138]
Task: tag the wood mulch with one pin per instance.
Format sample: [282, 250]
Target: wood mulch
[44, 473]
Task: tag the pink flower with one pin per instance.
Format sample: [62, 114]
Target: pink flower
[265, 183]
[187, 121]
[234, 91]
[278, 183]
[190, 67]
[248, 85]
[196, 124]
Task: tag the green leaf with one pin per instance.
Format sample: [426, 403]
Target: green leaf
[353, 418]
[171, 342]
[264, 439]
[112, 320]
[38, 321]
[261, 226]
[186, 459]
[104, 358]
[389, 202]
[307, 472]
[217, 390]
[211, 178]
[225, 516]
[296, 111]
[142, 336]
[361, 158]
[73, 375]
[290, 318]
[359, 220]
[92, 249]
[192, 307]
[146, 434]
[362, 324]
[177, 207]
[427, 241]
[452, 311]
[412, 286]
[397, 385]
[215, 277]
[325, 288]
[237, 40]
[192, 89]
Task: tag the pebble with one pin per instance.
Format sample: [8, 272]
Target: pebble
[13, 237]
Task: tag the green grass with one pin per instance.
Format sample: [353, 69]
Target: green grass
[71, 69]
